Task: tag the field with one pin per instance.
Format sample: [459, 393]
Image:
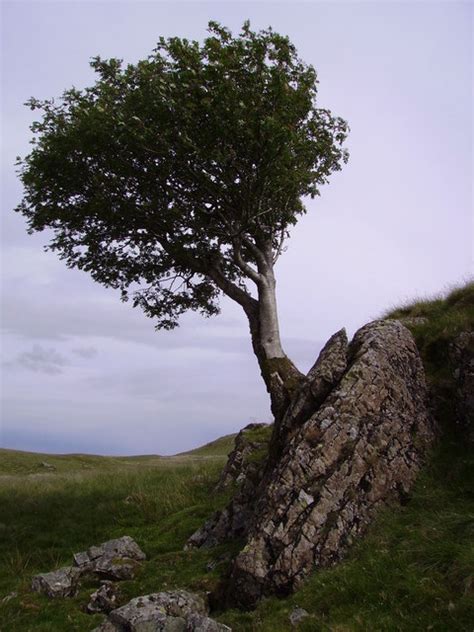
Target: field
[414, 571]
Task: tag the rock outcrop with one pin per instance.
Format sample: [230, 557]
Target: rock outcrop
[323, 376]
[237, 518]
[362, 447]
[355, 435]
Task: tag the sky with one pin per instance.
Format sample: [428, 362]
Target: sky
[83, 372]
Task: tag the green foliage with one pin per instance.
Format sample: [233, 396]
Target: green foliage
[167, 174]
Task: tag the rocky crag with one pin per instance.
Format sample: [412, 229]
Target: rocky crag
[353, 437]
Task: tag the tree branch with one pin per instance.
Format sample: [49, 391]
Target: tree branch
[247, 269]
[237, 294]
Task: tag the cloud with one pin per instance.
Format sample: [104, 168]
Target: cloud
[85, 352]
[40, 360]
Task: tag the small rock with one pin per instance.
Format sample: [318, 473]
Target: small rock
[47, 466]
[116, 568]
[104, 599]
[155, 609]
[235, 470]
[115, 559]
[297, 615]
[60, 583]
[120, 547]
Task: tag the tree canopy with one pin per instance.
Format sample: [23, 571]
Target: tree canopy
[177, 178]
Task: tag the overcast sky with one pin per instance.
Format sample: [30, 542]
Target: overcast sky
[82, 372]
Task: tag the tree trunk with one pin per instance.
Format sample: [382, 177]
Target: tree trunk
[280, 375]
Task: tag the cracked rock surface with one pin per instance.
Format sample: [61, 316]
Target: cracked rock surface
[61, 583]
[104, 599]
[362, 447]
[115, 559]
[171, 611]
[238, 460]
[236, 519]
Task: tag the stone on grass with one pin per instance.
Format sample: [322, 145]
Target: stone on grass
[47, 466]
[119, 547]
[116, 568]
[60, 583]
[156, 608]
[297, 615]
[115, 559]
[104, 599]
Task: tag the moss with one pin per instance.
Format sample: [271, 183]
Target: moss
[286, 370]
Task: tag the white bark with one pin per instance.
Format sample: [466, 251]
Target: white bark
[269, 327]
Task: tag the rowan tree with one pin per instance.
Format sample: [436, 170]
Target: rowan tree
[178, 178]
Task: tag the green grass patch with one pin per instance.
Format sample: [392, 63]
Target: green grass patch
[435, 323]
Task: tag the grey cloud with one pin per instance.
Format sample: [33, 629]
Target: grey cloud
[86, 352]
[40, 360]
[33, 318]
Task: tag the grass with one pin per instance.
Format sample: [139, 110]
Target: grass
[414, 571]
[45, 518]
[435, 323]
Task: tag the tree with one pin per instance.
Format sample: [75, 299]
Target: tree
[178, 178]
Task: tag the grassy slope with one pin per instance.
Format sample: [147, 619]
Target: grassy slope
[413, 571]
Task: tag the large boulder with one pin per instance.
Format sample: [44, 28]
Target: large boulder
[362, 447]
